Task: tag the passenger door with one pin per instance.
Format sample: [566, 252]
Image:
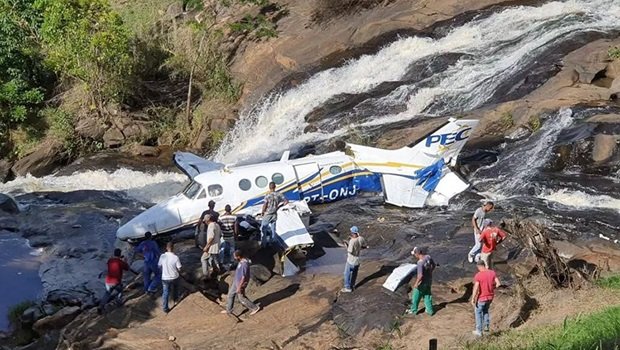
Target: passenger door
[309, 183]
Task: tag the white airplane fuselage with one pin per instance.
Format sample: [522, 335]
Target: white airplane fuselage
[315, 179]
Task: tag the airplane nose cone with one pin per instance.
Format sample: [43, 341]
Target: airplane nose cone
[161, 218]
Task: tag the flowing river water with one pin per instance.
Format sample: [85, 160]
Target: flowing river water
[462, 68]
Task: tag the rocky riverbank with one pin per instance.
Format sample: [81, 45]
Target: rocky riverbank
[572, 191]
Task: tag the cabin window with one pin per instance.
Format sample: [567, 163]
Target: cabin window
[192, 190]
[261, 182]
[215, 190]
[277, 178]
[245, 184]
[202, 195]
[335, 169]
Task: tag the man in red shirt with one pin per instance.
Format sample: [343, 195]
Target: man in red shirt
[490, 237]
[114, 279]
[485, 283]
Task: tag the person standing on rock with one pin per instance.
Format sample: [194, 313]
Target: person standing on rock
[354, 248]
[423, 282]
[485, 282]
[227, 224]
[170, 272]
[490, 237]
[150, 252]
[114, 279]
[272, 202]
[211, 247]
[477, 224]
[239, 285]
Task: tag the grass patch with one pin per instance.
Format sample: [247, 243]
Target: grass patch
[259, 25]
[614, 53]
[507, 120]
[597, 331]
[16, 311]
[534, 123]
[612, 282]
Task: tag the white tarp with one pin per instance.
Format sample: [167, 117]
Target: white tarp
[397, 276]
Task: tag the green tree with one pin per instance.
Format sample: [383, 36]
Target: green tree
[21, 73]
[87, 40]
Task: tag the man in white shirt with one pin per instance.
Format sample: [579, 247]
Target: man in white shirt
[477, 224]
[170, 266]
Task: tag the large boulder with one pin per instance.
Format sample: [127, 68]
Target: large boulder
[90, 128]
[8, 204]
[57, 320]
[5, 170]
[589, 61]
[604, 147]
[46, 158]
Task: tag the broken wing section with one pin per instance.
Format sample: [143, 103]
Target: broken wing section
[433, 185]
[192, 165]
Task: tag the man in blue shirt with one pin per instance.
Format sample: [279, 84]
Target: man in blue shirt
[240, 282]
[150, 252]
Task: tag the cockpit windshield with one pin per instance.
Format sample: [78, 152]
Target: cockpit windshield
[192, 190]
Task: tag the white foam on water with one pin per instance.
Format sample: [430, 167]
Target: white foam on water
[497, 47]
[147, 187]
[582, 200]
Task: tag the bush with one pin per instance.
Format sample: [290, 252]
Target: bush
[259, 25]
[534, 123]
[87, 40]
[16, 311]
[614, 53]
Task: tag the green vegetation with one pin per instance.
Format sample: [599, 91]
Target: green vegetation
[612, 282]
[534, 123]
[598, 331]
[507, 120]
[16, 311]
[159, 58]
[614, 53]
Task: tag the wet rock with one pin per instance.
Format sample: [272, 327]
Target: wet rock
[310, 128]
[31, 315]
[591, 61]
[49, 309]
[89, 127]
[604, 118]
[47, 157]
[57, 320]
[520, 133]
[8, 204]
[64, 297]
[604, 147]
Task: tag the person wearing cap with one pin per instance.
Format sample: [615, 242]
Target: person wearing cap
[485, 282]
[269, 213]
[422, 284]
[354, 248]
[477, 222]
[490, 237]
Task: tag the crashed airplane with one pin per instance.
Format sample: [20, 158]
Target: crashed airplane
[410, 177]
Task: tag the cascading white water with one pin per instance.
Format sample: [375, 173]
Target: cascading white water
[579, 199]
[496, 47]
[136, 184]
[513, 172]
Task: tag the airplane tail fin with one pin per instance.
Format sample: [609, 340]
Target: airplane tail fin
[446, 142]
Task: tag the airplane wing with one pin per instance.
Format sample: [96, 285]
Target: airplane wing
[192, 165]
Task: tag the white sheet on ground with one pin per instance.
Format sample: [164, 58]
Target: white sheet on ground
[397, 276]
